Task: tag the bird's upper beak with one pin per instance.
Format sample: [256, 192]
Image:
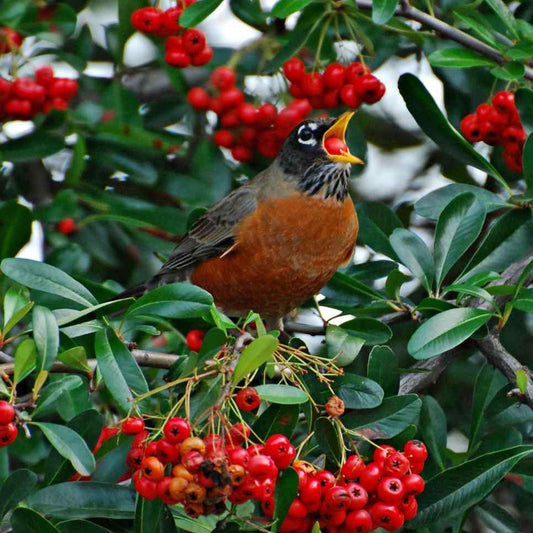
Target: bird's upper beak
[338, 130]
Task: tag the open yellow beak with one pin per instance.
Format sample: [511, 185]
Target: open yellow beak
[338, 130]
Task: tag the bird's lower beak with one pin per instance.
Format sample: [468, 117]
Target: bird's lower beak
[338, 131]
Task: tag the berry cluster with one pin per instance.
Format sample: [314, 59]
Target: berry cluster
[9, 40]
[202, 473]
[182, 47]
[243, 126]
[8, 430]
[23, 98]
[351, 85]
[498, 124]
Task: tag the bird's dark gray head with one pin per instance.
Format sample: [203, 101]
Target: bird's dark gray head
[304, 157]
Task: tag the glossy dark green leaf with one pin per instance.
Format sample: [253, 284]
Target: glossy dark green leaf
[430, 118]
[505, 15]
[394, 283]
[46, 336]
[75, 357]
[16, 307]
[527, 161]
[388, 420]
[15, 228]
[51, 394]
[176, 300]
[345, 292]
[455, 490]
[153, 516]
[507, 241]
[254, 355]
[371, 330]
[415, 255]
[383, 10]
[276, 419]
[24, 520]
[36, 145]
[85, 500]
[284, 8]
[496, 518]
[15, 488]
[358, 392]
[328, 439]
[479, 24]
[195, 13]
[25, 359]
[509, 71]
[459, 225]
[70, 445]
[383, 369]
[281, 394]
[433, 429]
[82, 526]
[112, 466]
[46, 278]
[377, 222]
[458, 58]
[249, 11]
[445, 331]
[524, 105]
[342, 345]
[284, 493]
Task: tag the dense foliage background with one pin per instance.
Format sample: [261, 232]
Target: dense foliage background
[432, 327]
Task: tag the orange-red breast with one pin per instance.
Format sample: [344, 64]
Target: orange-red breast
[274, 242]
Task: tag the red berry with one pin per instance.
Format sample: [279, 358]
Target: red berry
[247, 113]
[7, 413]
[167, 452]
[194, 339]
[262, 466]
[390, 489]
[349, 96]
[193, 41]
[358, 521]
[418, 466]
[482, 111]
[294, 69]
[199, 98]
[203, 57]
[369, 89]
[230, 119]
[134, 458]
[409, 507]
[66, 226]
[335, 146]
[241, 153]
[44, 75]
[288, 118]
[147, 19]
[413, 484]
[173, 43]
[336, 497]
[5, 89]
[27, 89]
[237, 455]
[499, 118]
[248, 137]
[163, 490]
[133, 425]
[231, 97]
[470, 128]
[358, 496]
[177, 58]
[514, 162]
[325, 478]
[490, 133]
[247, 399]
[281, 450]
[330, 99]
[9, 40]
[297, 509]
[381, 453]
[334, 76]
[223, 78]
[503, 101]
[355, 71]
[312, 492]
[396, 465]
[238, 433]
[223, 138]
[20, 109]
[301, 106]
[146, 488]
[266, 115]
[176, 430]
[330, 517]
[296, 90]
[65, 88]
[152, 468]
[387, 516]
[171, 18]
[312, 84]
[370, 476]
[514, 134]
[415, 450]
[8, 434]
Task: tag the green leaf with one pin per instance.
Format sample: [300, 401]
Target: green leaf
[383, 10]
[527, 161]
[15, 228]
[459, 225]
[75, 357]
[372, 331]
[85, 500]
[15, 488]
[36, 145]
[505, 15]
[77, 165]
[432, 426]
[415, 255]
[46, 278]
[195, 13]
[342, 345]
[257, 353]
[488, 383]
[358, 392]
[478, 23]
[377, 222]
[388, 420]
[346, 292]
[120, 372]
[509, 71]
[175, 300]
[284, 493]
[284, 8]
[25, 520]
[153, 516]
[46, 336]
[83, 526]
[432, 205]
[328, 439]
[52, 393]
[458, 58]
[453, 491]
[276, 419]
[383, 369]
[521, 380]
[282, 394]
[445, 331]
[430, 118]
[496, 518]
[16, 307]
[394, 282]
[70, 445]
[507, 241]
[249, 11]
[524, 104]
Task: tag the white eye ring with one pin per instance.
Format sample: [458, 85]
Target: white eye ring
[311, 141]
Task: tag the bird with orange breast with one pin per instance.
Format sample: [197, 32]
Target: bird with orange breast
[274, 242]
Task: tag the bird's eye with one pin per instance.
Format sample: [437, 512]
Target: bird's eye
[305, 136]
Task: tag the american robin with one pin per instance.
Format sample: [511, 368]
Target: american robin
[274, 242]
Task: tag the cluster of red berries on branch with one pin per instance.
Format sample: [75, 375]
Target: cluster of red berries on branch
[183, 47]
[202, 473]
[242, 126]
[498, 124]
[352, 85]
[23, 98]
[8, 429]
[10, 40]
